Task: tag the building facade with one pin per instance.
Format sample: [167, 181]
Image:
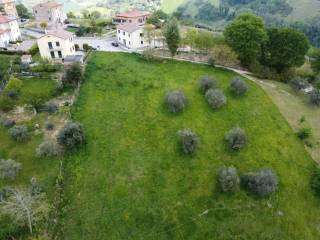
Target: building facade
[51, 13]
[131, 36]
[9, 7]
[4, 38]
[56, 45]
[11, 26]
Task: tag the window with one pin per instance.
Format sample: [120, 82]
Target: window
[60, 54]
[124, 33]
[141, 34]
[118, 31]
[50, 45]
[52, 54]
[130, 21]
[140, 20]
[141, 42]
[129, 43]
[129, 35]
[57, 44]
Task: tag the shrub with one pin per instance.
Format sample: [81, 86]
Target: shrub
[262, 183]
[211, 61]
[49, 126]
[48, 149]
[86, 47]
[224, 55]
[176, 101]
[238, 87]
[304, 133]
[14, 84]
[50, 107]
[228, 179]
[298, 83]
[8, 123]
[9, 169]
[236, 138]
[19, 133]
[12, 94]
[207, 83]
[73, 75]
[315, 98]
[189, 141]
[315, 181]
[6, 103]
[216, 98]
[71, 136]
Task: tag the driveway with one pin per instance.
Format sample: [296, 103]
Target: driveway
[101, 44]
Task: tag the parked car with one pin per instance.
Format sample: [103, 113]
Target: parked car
[115, 44]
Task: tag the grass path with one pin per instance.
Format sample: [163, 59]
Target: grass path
[294, 107]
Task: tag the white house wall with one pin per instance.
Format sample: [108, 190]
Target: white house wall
[132, 40]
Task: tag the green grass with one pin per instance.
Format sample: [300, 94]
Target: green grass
[45, 170]
[131, 180]
[34, 89]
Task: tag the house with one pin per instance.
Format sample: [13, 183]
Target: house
[56, 45]
[9, 7]
[131, 36]
[131, 17]
[51, 13]
[10, 25]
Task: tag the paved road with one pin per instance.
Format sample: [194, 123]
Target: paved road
[101, 44]
[30, 33]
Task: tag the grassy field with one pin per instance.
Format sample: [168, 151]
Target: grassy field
[131, 181]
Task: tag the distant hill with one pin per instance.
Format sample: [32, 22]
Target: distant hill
[210, 11]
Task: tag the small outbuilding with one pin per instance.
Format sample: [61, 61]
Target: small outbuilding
[73, 59]
[26, 59]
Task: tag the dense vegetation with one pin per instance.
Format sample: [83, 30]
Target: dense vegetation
[133, 179]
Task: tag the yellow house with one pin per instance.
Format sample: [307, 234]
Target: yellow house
[56, 45]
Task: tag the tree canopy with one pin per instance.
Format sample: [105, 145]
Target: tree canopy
[171, 33]
[284, 49]
[245, 36]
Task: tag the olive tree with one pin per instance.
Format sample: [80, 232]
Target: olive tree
[25, 208]
[236, 138]
[238, 87]
[262, 183]
[216, 98]
[9, 169]
[19, 133]
[207, 83]
[189, 141]
[176, 101]
[71, 136]
[48, 149]
[228, 179]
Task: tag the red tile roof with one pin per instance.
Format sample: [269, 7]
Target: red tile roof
[4, 31]
[5, 19]
[133, 14]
